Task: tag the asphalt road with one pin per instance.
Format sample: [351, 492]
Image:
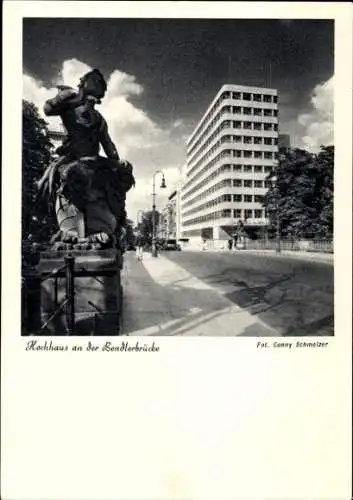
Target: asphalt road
[293, 296]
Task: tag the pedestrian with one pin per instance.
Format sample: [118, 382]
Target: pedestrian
[230, 244]
[235, 238]
[139, 247]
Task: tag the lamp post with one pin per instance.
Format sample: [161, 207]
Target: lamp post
[163, 185]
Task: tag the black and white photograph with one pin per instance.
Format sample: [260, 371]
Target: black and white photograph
[177, 177]
[177, 250]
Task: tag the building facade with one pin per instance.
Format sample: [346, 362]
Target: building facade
[229, 156]
[168, 226]
[284, 142]
[56, 135]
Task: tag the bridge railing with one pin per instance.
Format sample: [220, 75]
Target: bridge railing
[315, 245]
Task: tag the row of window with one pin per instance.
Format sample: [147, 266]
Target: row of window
[235, 153]
[224, 168]
[247, 96]
[248, 139]
[250, 111]
[226, 198]
[246, 183]
[238, 139]
[257, 169]
[227, 213]
[247, 126]
[236, 124]
[207, 126]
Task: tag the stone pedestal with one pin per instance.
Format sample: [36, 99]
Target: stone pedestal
[87, 298]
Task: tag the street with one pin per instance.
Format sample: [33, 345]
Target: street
[227, 294]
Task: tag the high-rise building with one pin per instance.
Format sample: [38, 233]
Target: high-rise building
[229, 156]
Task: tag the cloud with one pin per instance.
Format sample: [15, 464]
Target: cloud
[146, 144]
[318, 123]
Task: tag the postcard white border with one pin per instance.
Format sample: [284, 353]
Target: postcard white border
[205, 418]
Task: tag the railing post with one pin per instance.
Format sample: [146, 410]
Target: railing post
[70, 293]
[32, 302]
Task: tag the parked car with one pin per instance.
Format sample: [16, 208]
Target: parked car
[172, 245]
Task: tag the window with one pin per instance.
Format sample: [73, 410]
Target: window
[246, 96]
[257, 112]
[267, 184]
[258, 154]
[275, 112]
[267, 126]
[258, 184]
[247, 140]
[247, 198]
[258, 169]
[237, 138]
[267, 98]
[275, 99]
[237, 153]
[275, 142]
[226, 198]
[247, 154]
[258, 214]
[257, 97]
[248, 183]
[268, 155]
[258, 198]
[247, 168]
[237, 109]
[247, 214]
[237, 198]
[257, 140]
[247, 125]
[236, 95]
[257, 126]
[268, 170]
[237, 182]
[267, 112]
[237, 168]
[275, 127]
[268, 141]
[237, 213]
[237, 124]
[247, 111]
[226, 213]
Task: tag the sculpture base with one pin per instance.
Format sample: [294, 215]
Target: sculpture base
[96, 293]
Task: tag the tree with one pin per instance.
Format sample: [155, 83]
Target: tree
[37, 223]
[145, 227]
[303, 194]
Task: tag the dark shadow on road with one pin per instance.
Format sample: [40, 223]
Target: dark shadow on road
[291, 296]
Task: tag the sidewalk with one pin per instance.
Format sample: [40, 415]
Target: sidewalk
[162, 298]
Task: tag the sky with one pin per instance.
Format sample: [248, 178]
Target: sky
[163, 73]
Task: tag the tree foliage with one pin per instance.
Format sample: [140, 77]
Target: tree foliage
[302, 194]
[37, 223]
[145, 227]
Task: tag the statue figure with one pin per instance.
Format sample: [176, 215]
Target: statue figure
[87, 190]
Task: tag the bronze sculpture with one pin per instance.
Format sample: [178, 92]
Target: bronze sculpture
[87, 190]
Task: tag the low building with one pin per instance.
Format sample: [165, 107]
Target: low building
[56, 135]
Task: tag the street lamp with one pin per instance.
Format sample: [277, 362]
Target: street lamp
[278, 226]
[163, 185]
